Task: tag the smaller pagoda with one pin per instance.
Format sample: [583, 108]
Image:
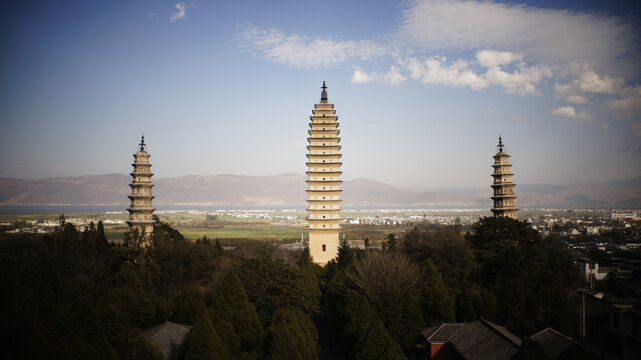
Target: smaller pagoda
[504, 198]
[141, 222]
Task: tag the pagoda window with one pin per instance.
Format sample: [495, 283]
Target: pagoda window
[324, 247]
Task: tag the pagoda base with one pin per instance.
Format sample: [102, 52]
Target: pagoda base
[323, 245]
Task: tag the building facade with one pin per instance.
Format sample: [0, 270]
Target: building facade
[504, 198]
[141, 222]
[323, 181]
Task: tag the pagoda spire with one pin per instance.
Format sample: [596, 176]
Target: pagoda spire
[323, 182]
[142, 142]
[324, 92]
[504, 197]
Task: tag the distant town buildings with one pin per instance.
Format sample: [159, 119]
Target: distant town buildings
[504, 198]
[323, 181]
[141, 222]
[630, 215]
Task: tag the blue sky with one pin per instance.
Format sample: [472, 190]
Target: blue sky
[422, 88]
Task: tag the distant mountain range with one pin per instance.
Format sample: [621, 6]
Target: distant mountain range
[289, 189]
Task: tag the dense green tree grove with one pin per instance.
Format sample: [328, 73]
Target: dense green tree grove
[530, 277]
[74, 295]
[502, 270]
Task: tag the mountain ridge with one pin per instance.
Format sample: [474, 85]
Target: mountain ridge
[289, 189]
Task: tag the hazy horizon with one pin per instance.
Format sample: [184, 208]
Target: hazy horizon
[422, 88]
[461, 187]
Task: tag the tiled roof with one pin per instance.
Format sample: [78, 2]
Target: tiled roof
[476, 340]
[553, 342]
[167, 337]
[443, 332]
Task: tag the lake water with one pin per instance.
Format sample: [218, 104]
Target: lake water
[59, 209]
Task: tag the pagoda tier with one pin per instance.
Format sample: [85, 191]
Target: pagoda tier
[141, 222]
[503, 188]
[323, 181]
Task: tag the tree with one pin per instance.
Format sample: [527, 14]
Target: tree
[474, 302]
[447, 249]
[391, 242]
[292, 335]
[345, 256]
[365, 335]
[102, 239]
[531, 277]
[437, 302]
[272, 284]
[234, 317]
[392, 284]
[310, 280]
[130, 294]
[202, 341]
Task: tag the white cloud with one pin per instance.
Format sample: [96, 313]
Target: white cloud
[491, 58]
[307, 52]
[577, 99]
[180, 13]
[548, 35]
[435, 71]
[522, 80]
[586, 81]
[361, 77]
[570, 112]
[628, 103]
[567, 111]
[392, 77]
[591, 82]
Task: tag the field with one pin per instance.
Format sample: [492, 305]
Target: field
[269, 226]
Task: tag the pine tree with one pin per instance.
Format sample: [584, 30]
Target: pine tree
[203, 343]
[438, 303]
[345, 256]
[234, 317]
[365, 333]
[292, 335]
[101, 238]
[313, 293]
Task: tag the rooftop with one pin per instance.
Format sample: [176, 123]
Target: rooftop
[167, 337]
[476, 340]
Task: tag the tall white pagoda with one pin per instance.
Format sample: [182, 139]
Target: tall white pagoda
[323, 181]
